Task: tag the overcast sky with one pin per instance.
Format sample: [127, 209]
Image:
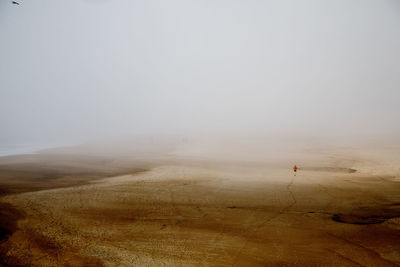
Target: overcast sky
[81, 69]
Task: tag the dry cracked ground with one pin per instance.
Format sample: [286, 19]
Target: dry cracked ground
[68, 210]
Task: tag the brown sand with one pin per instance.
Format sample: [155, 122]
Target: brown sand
[62, 210]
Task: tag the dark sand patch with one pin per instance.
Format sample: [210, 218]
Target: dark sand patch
[28, 173]
[8, 220]
[48, 251]
[330, 169]
[9, 216]
[369, 215]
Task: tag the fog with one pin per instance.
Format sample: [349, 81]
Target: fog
[75, 71]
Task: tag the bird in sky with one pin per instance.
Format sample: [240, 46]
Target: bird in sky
[15, 2]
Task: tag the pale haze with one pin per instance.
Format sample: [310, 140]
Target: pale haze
[73, 71]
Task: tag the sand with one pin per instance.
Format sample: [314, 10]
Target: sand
[176, 210]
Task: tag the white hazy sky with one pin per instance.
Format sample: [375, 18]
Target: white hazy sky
[80, 69]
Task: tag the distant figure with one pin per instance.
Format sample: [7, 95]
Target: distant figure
[295, 169]
[15, 3]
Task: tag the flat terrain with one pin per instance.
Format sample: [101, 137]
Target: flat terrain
[69, 210]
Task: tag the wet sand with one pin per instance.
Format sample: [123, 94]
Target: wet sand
[70, 210]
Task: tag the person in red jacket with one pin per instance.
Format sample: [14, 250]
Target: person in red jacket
[295, 169]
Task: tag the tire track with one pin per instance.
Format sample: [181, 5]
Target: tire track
[279, 213]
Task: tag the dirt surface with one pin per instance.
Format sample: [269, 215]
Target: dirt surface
[181, 212]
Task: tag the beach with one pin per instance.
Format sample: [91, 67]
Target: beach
[174, 210]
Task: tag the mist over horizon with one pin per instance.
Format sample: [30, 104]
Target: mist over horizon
[77, 71]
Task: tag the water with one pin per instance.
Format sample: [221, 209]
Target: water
[18, 149]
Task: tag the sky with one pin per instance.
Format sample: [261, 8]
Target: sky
[78, 70]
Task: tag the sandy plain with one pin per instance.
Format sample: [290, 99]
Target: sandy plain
[187, 208]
